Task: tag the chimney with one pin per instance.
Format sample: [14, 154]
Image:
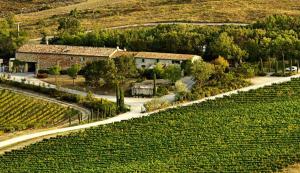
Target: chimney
[47, 41]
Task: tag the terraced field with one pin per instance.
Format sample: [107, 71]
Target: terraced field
[255, 131]
[20, 112]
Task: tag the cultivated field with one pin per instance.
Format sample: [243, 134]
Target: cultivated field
[104, 13]
[255, 131]
[20, 112]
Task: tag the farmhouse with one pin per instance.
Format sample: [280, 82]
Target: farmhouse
[37, 56]
[148, 59]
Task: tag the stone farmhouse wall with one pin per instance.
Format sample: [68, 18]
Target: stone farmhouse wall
[45, 61]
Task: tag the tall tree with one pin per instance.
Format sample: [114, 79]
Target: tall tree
[172, 73]
[224, 46]
[70, 24]
[73, 72]
[10, 38]
[55, 70]
[201, 71]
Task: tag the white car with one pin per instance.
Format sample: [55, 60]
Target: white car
[293, 68]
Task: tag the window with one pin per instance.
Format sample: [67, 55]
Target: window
[157, 60]
[175, 62]
[72, 58]
[143, 60]
[82, 59]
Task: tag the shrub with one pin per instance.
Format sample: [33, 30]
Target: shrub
[261, 73]
[284, 75]
[156, 104]
[162, 90]
[245, 70]
[42, 75]
[180, 87]
[43, 71]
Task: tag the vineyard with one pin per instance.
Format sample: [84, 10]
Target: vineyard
[19, 112]
[255, 131]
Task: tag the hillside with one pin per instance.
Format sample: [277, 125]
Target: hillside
[104, 13]
[26, 6]
[254, 131]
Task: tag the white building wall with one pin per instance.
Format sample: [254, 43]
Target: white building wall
[146, 63]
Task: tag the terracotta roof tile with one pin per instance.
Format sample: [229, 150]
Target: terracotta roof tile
[124, 53]
[67, 50]
[169, 56]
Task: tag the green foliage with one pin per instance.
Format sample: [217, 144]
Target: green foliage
[162, 91]
[224, 45]
[172, 72]
[20, 112]
[254, 131]
[126, 66]
[70, 24]
[10, 39]
[159, 70]
[156, 104]
[245, 70]
[180, 87]
[93, 72]
[201, 71]
[55, 70]
[90, 102]
[271, 37]
[73, 71]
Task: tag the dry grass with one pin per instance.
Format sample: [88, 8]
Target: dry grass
[292, 169]
[21, 6]
[109, 13]
[67, 82]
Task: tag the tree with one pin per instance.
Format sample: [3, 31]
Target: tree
[173, 72]
[10, 38]
[70, 24]
[159, 70]
[93, 72]
[224, 45]
[201, 71]
[55, 70]
[73, 72]
[222, 62]
[126, 66]
[220, 65]
[283, 45]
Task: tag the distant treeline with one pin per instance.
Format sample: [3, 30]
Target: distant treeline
[273, 37]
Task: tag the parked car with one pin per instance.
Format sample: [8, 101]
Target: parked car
[293, 68]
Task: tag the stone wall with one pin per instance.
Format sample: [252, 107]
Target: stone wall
[49, 60]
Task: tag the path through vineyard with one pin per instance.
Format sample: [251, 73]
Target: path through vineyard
[130, 115]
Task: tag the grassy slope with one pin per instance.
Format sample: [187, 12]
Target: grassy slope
[107, 13]
[26, 6]
[19, 112]
[249, 132]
